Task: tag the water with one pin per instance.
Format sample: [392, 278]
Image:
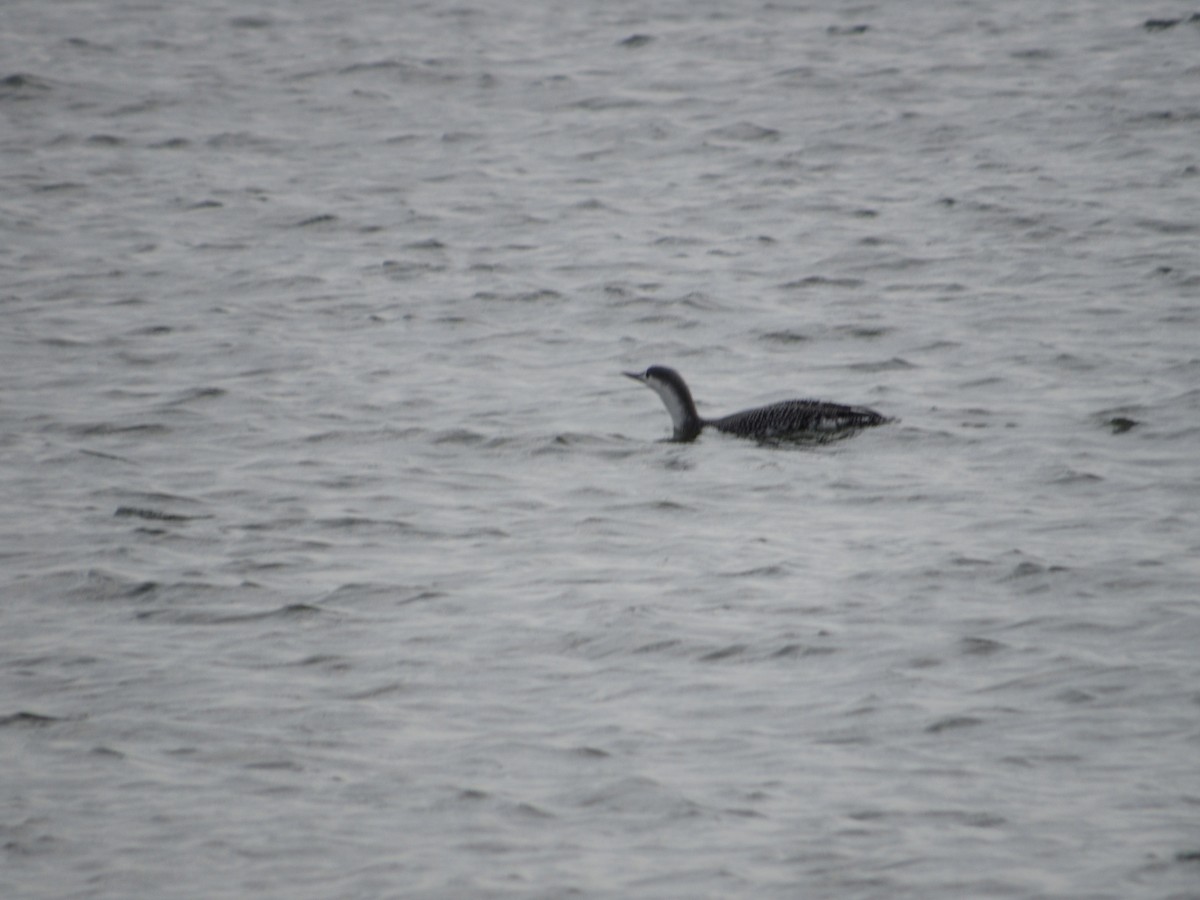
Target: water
[340, 560]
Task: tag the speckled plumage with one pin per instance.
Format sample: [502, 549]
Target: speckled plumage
[796, 417]
[788, 420]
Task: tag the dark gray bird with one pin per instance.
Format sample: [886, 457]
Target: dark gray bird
[789, 420]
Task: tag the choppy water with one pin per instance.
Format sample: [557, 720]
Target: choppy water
[340, 561]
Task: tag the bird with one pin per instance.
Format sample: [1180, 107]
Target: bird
[788, 420]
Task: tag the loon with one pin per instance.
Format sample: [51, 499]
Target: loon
[787, 420]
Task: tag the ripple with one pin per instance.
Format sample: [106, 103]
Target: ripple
[953, 723]
[26, 719]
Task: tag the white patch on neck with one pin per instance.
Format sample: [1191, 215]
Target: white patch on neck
[671, 401]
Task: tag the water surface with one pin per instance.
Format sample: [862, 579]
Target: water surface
[340, 560]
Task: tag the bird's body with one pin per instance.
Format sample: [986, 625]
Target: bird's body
[790, 420]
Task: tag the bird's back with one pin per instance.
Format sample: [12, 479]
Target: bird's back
[797, 419]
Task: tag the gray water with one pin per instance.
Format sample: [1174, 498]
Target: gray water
[338, 559]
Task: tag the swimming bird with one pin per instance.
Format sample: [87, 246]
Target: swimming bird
[789, 420]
